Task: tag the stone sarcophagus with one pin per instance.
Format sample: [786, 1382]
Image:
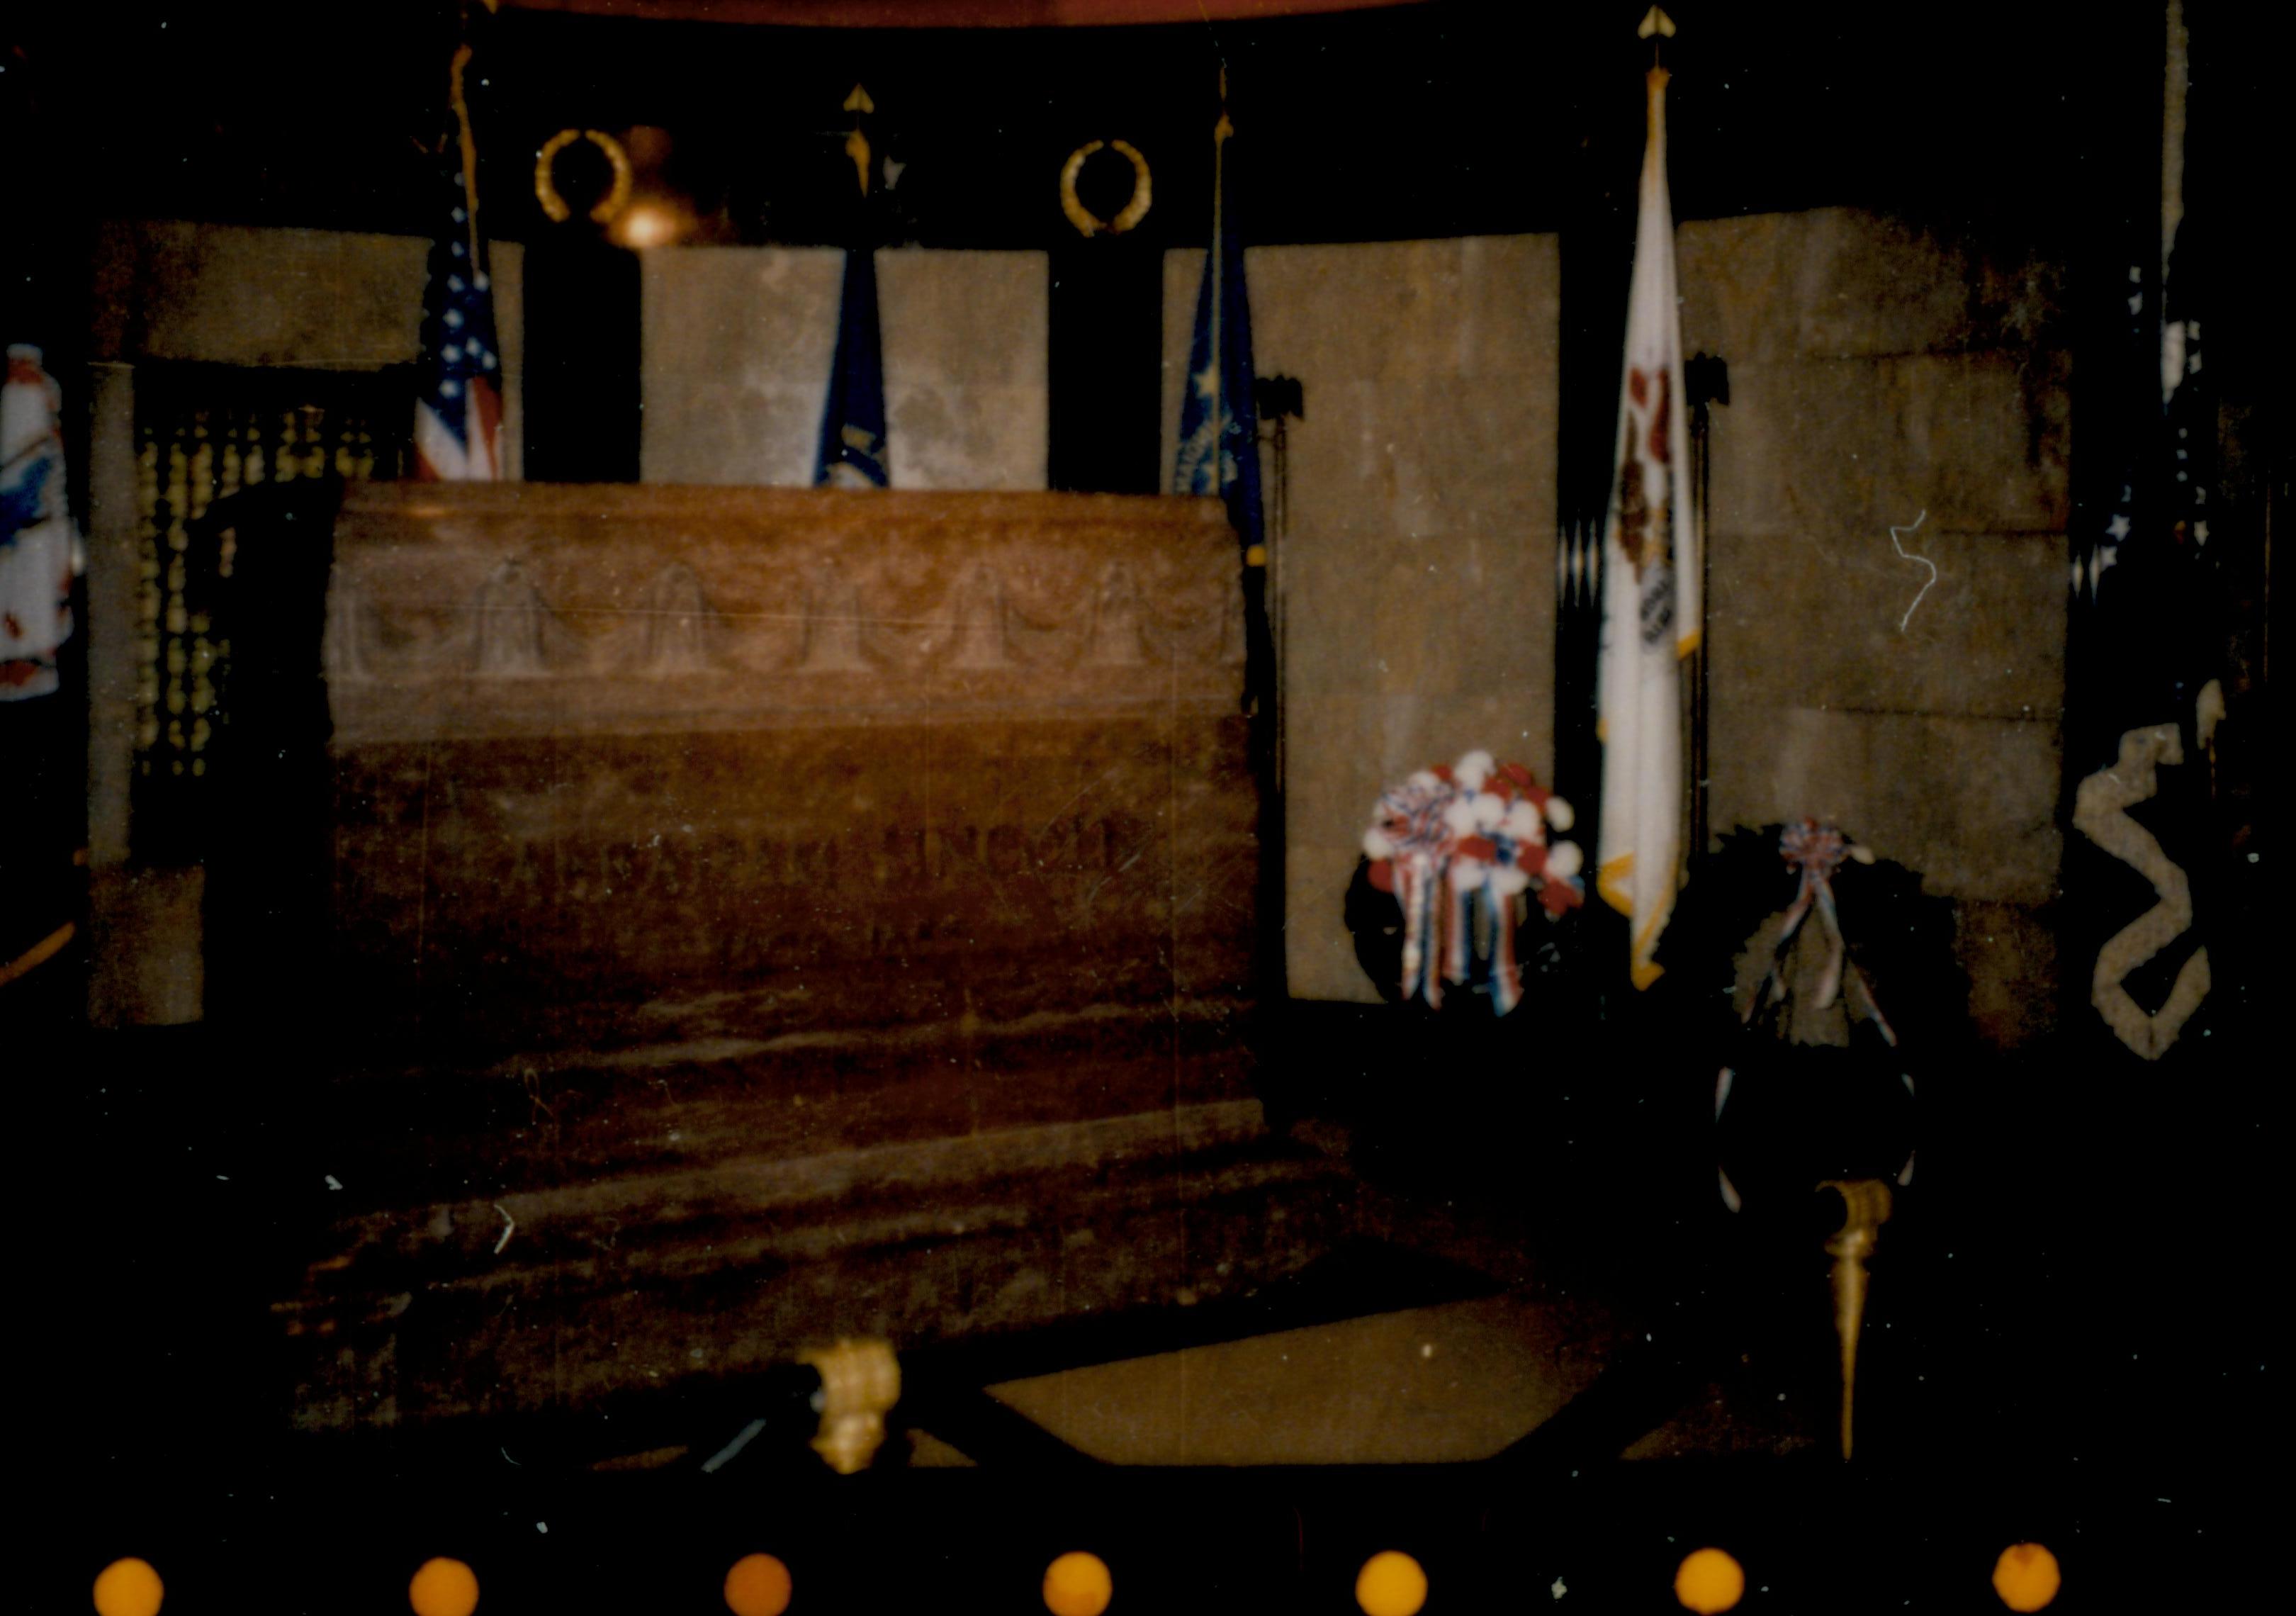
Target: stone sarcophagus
[771, 915]
[618, 765]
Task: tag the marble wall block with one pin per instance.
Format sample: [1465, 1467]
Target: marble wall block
[1417, 579]
[738, 345]
[1882, 376]
[307, 299]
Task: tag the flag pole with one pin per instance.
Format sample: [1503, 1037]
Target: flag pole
[1651, 613]
[1658, 28]
[460, 104]
[1220, 132]
[1706, 380]
[459, 100]
[1262, 702]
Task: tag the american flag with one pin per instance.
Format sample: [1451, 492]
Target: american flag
[458, 415]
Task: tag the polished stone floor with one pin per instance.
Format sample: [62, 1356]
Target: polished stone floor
[1514, 1293]
[1543, 1277]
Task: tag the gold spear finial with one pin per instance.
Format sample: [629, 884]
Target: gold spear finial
[1867, 1209]
[856, 143]
[1658, 28]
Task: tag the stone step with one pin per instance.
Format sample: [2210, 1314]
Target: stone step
[550, 1298]
[552, 1118]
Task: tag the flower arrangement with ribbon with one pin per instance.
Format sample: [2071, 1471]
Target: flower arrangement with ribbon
[1814, 853]
[1786, 938]
[1458, 847]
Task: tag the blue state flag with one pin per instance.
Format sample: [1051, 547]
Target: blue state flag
[1219, 423]
[853, 420]
[1219, 428]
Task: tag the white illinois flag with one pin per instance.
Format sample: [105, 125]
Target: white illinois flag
[1649, 585]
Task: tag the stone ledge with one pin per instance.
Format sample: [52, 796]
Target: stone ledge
[652, 1282]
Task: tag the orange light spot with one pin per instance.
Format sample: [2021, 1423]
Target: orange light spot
[444, 1587]
[1078, 1584]
[759, 1585]
[1710, 1582]
[2027, 1577]
[1392, 1583]
[128, 1587]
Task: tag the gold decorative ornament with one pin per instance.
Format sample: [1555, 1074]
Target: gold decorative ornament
[1133, 210]
[860, 1382]
[1866, 1210]
[546, 188]
[856, 143]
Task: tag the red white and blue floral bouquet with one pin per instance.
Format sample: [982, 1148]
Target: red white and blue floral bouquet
[1464, 850]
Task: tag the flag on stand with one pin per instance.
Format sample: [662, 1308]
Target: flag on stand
[1650, 585]
[458, 415]
[1219, 421]
[853, 420]
[852, 454]
[39, 551]
[2149, 656]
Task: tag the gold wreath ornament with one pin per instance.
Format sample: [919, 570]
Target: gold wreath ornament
[1086, 221]
[546, 188]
